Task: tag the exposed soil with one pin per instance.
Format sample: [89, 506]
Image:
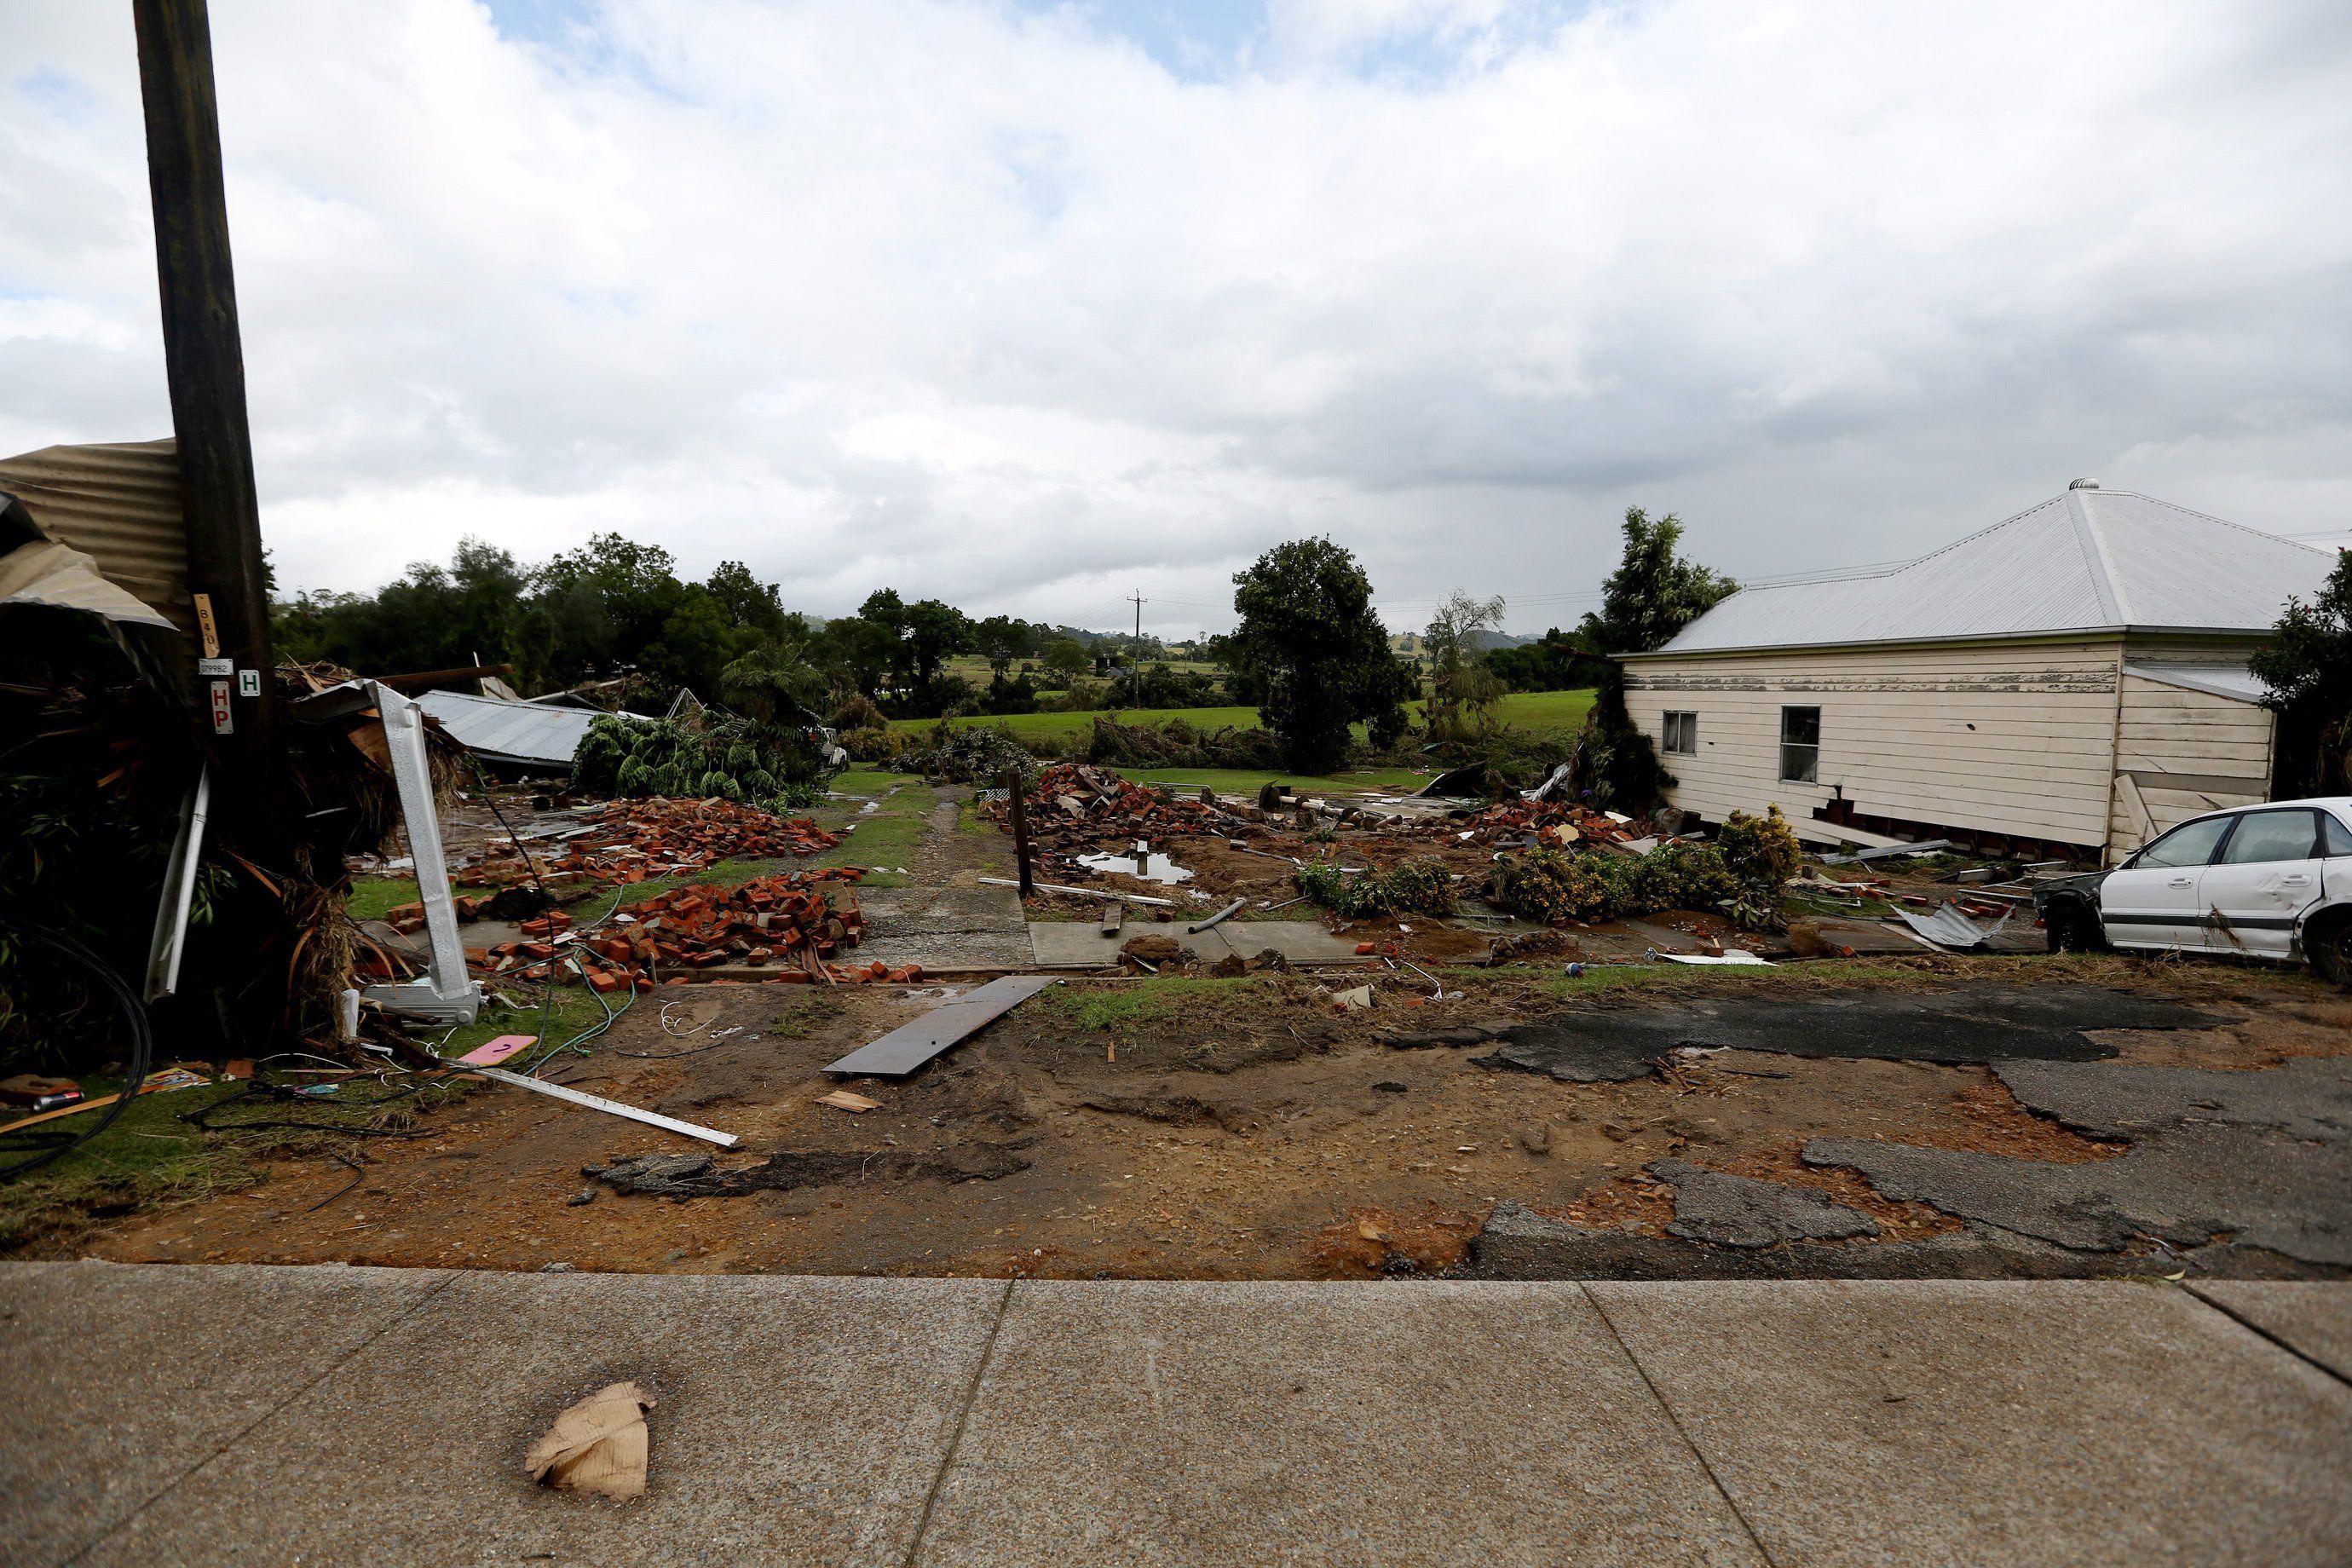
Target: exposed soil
[1190, 1129]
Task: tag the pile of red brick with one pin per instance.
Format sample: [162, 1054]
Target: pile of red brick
[632, 841]
[792, 922]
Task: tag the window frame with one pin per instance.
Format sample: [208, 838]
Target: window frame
[1679, 732]
[2139, 862]
[2310, 815]
[1813, 776]
[2332, 832]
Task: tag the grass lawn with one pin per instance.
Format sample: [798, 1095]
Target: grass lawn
[1545, 712]
[889, 835]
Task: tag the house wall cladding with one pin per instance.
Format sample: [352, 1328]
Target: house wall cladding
[2181, 752]
[2014, 738]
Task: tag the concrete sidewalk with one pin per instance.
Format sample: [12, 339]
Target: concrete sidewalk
[255, 1415]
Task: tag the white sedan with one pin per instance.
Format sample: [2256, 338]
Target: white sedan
[2261, 881]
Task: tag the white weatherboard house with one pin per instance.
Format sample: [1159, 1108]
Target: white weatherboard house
[2074, 677]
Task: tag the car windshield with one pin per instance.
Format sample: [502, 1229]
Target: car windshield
[2190, 844]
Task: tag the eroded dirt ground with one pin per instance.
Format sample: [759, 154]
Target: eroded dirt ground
[1247, 1129]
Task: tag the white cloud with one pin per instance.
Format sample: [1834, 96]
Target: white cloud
[988, 304]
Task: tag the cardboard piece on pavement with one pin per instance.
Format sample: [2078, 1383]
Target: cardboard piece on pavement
[598, 1446]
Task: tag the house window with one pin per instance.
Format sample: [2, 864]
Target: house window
[1801, 745]
[1680, 734]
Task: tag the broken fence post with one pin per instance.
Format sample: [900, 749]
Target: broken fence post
[1013, 794]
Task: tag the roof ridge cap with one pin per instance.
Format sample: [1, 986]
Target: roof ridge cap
[2093, 545]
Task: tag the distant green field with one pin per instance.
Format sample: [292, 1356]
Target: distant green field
[1545, 712]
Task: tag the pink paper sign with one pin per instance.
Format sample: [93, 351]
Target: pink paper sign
[496, 1051]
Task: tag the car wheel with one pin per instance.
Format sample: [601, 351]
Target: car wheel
[2072, 928]
[2328, 943]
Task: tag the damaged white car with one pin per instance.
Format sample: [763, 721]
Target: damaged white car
[2261, 881]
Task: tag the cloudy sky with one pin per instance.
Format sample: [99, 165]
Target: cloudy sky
[1033, 305]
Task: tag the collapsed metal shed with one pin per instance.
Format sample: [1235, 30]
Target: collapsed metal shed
[516, 734]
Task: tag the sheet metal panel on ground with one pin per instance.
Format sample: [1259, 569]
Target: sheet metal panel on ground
[909, 1046]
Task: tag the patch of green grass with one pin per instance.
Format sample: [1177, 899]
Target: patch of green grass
[1901, 973]
[804, 1016]
[1544, 712]
[373, 896]
[1135, 1000]
[572, 1010]
[891, 835]
[865, 781]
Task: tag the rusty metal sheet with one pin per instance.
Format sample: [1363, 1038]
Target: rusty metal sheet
[909, 1046]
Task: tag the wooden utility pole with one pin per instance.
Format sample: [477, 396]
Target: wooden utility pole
[1013, 796]
[204, 363]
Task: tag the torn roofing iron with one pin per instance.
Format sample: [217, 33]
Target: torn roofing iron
[909, 1046]
[2232, 680]
[2087, 559]
[118, 503]
[522, 733]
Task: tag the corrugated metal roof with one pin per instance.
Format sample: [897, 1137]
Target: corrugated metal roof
[2232, 680]
[119, 504]
[2087, 559]
[519, 732]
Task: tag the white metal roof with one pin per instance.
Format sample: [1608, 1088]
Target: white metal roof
[2087, 559]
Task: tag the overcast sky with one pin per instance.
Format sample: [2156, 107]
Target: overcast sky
[1031, 306]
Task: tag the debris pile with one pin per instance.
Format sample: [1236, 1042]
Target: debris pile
[971, 755]
[1557, 822]
[791, 920]
[1072, 805]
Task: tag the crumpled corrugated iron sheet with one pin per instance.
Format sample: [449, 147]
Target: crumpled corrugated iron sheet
[119, 503]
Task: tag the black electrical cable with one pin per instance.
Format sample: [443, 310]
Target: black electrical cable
[202, 1116]
[142, 1052]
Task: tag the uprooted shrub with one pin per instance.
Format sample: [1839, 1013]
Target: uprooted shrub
[1409, 886]
[765, 766]
[1762, 851]
[1554, 885]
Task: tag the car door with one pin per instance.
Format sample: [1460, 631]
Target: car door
[2267, 873]
[2151, 900]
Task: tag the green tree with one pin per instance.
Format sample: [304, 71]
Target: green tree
[1065, 659]
[999, 640]
[1462, 689]
[749, 602]
[1653, 594]
[863, 651]
[1308, 632]
[776, 683]
[2307, 665]
[936, 632]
